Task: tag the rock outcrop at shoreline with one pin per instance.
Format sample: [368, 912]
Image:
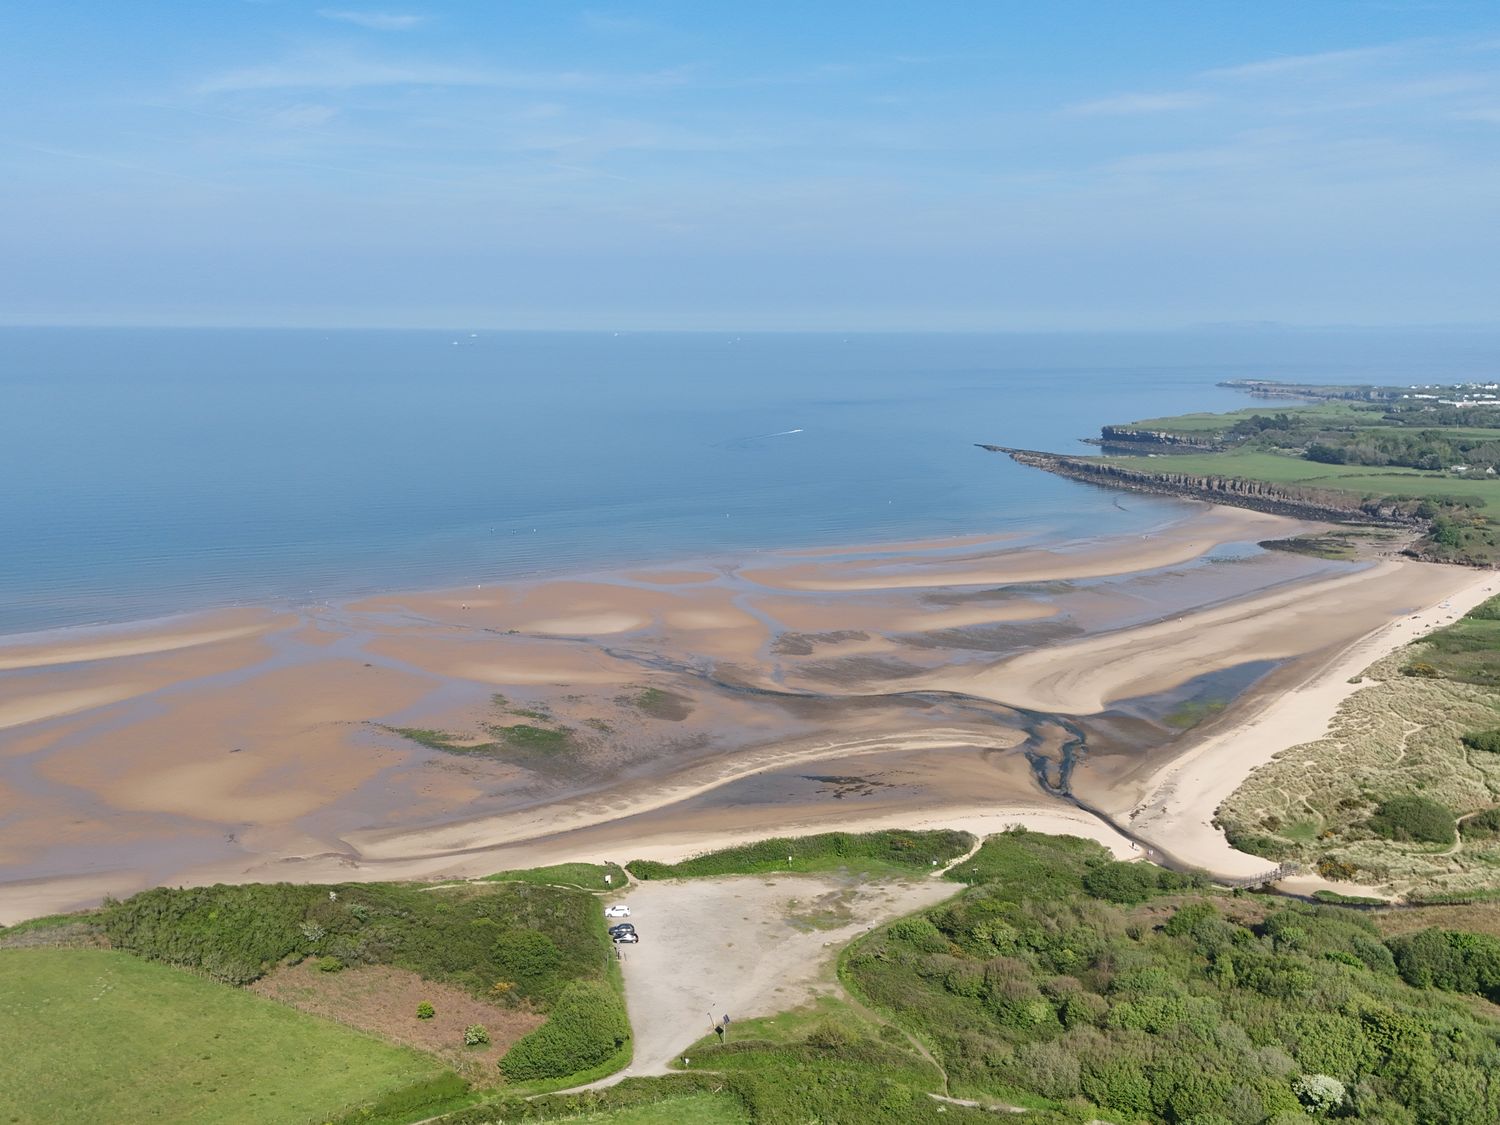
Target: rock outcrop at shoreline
[1260, 496]
[1127, 438]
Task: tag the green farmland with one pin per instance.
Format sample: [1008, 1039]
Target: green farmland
[92, 1036]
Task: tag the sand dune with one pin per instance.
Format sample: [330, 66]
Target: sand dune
[1180, 800]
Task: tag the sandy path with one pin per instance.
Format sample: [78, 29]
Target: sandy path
[1177, 811]
[715, 946]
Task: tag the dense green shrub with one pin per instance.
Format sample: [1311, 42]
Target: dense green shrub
[425, 1011]
[1121, 882]
[878, 851]
[1414, 818]
[587, 1027]
[535, 939]
[1486, 740]
[1214, 1012]
[1482, 824]
[1451, 960]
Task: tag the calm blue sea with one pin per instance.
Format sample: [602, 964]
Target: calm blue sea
[144, 472]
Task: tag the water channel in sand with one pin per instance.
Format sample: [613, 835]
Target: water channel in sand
[465, 730]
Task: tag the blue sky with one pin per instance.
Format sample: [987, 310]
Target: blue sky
[992, 165]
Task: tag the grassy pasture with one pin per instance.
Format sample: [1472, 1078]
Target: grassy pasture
[1324, 413]
[93, 1035]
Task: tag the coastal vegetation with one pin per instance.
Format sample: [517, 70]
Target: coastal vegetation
[1427, 459]
[870, 853]
[1404, 791]
[1060, 984]
[1189, 1006]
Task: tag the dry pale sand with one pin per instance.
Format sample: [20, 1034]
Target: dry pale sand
[1177, 811]
[1084, 677]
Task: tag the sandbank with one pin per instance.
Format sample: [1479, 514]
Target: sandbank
[1083, 677]
[108, 646]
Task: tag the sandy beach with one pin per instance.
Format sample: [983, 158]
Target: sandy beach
[657, 713]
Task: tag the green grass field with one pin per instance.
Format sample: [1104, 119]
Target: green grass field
[93, 1036]
[1325, 413]
[1361, 480]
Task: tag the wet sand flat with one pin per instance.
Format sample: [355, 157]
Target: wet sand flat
[438, 732]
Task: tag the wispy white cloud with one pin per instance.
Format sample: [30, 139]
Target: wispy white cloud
[1306, 64]
[374, 21]
[342, 71]
[1128, 104]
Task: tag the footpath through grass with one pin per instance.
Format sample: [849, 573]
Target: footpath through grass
[892, 853]
[584, 876]
[93, 1036]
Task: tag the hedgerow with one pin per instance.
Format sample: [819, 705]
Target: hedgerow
[871, 851]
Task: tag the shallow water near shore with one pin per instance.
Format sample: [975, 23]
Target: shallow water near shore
[149, 472]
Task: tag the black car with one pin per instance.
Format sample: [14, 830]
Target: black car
[622, 928]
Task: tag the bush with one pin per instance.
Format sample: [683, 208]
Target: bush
[1117, 881]
[1414, 818]
[329, 965]
[425, 1011]
[475, 1035]
[1486, 740]
[587, 1027]
[1482, 824]
[537, 938]
[1450, 960]
[1336, 870]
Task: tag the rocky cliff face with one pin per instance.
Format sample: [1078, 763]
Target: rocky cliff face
[1262, 496]
[1155, 439]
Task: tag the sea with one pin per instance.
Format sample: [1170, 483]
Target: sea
[145, 472]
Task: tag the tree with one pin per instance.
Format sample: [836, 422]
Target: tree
[1320, 1093]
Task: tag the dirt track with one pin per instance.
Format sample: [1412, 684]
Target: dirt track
[747, 946]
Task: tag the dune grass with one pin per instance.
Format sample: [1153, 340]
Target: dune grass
[94, 1035]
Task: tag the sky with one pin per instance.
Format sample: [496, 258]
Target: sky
[991, 165]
